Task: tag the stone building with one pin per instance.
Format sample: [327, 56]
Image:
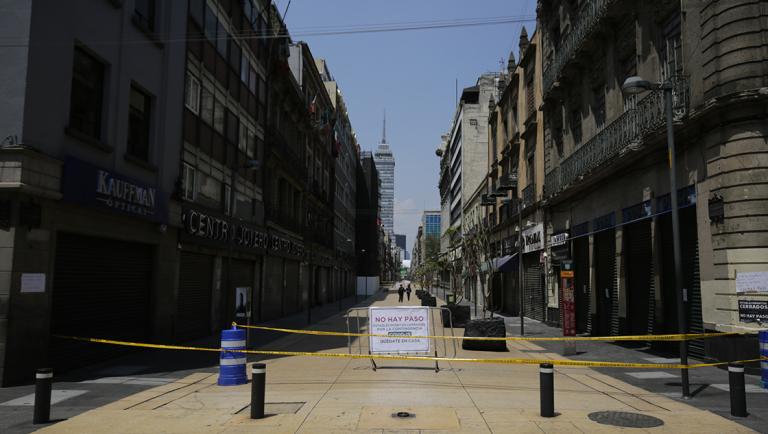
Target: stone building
[606, 162]
[515, 186]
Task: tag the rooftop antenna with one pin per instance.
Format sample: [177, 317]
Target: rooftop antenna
[384, 129]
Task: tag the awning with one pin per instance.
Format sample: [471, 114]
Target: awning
[503, 264]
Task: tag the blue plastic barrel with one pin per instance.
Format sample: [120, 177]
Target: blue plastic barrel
[764, 353]
[232, 362]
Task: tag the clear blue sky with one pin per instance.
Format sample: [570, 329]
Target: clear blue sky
[411, 74]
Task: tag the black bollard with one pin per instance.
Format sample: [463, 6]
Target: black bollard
[43, 381]
[547, 389]
[738, 392]
[259, 375]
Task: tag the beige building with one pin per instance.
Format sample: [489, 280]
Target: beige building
[606, 176]
[515, 186]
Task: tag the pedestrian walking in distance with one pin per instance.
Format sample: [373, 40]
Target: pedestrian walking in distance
[400, 292]
[408, 292]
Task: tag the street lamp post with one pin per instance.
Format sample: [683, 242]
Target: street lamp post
[520, 279]
[632, 86]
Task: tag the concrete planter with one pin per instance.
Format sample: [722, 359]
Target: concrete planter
[488, 328]
[459, 314]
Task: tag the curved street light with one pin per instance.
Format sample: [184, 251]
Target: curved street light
[632, 86]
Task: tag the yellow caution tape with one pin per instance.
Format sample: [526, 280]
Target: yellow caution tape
[516, 361]
[667, 337]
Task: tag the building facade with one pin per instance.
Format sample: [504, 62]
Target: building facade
[367, 226]
[385, 164]
[515, 186]
[88, 187]
[346, 155]
[463, 167]
[607, 176]
[156, 191]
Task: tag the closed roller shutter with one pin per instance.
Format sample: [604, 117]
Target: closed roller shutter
[193, 306]
[101, 288]
[606, 322]
[640, 291]
[534, 290]
[292, 288]
[582, 290]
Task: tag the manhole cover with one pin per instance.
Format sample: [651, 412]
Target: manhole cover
[625, 419]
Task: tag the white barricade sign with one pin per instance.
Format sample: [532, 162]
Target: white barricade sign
[399, 321]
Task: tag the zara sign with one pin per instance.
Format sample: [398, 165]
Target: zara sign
[533, 238]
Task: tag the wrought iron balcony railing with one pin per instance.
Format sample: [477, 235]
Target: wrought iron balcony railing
[529, 195]
[582, 27]
[624, 134]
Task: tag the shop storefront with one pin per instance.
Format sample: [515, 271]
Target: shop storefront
[534, 298]
[220, 264]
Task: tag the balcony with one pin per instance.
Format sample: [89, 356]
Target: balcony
[592, 12]
[616, 139]
[529, 195]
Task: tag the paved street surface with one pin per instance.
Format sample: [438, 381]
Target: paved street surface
[342, 395]
[97, 386]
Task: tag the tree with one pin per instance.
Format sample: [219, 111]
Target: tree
[479, 257]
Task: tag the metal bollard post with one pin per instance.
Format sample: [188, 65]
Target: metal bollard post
[736, 386]
[43, 381]
[259, 374]
[547, 389]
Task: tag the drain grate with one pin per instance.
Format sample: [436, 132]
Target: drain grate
[625, 419]
[403, 415]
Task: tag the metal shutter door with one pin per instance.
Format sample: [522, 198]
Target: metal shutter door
[193, 312]
[640, 291]
[534, 292]
[101, 288]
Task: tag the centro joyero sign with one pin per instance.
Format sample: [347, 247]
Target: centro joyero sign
[396, 322]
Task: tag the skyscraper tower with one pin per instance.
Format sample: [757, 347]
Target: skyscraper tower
[385, 164]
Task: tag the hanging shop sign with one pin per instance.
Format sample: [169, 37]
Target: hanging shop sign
[396, 322]
[86, 184]
[558, 239]
[533, 238]
[753, 311]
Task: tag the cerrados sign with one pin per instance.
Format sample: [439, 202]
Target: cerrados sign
[86, 184]
[201, 224]
[395, 323]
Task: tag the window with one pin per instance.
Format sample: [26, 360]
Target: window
[598, 105]
[575, 122]
[227, 199]
[221, 40]
[235, 54]
[206, 110]
[138, 124]
[189, 175]
[233, 127]
[192, 94]
[144, 12]
[252, 146]
[87, 94]
[211, 23]
[218, 115]
[244, 67]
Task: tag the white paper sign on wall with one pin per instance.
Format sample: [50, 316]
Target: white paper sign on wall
[396, 322]
[32, 282]
[756, 281]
